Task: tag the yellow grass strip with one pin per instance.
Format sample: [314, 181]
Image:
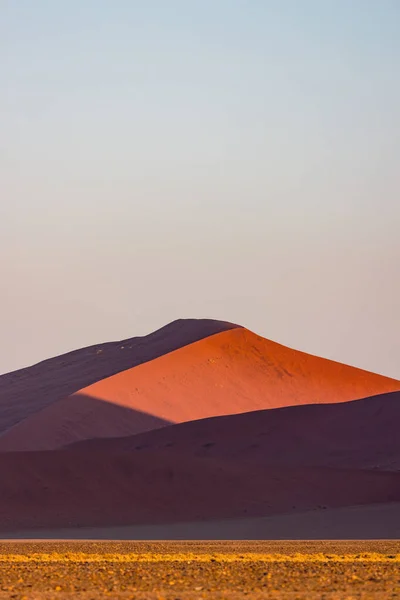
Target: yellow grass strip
[154, 557]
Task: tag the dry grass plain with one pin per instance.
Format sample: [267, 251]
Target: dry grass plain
[329, 570]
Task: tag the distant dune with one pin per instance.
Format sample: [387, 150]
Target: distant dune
[229, 370]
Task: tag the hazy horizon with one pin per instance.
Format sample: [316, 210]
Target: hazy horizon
[227, 160]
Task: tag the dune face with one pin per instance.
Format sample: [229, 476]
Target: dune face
[29, 390]
[233, 371]
[77, 417]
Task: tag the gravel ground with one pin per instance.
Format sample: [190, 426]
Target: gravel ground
[200, 570]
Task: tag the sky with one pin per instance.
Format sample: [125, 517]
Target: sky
[230, 159]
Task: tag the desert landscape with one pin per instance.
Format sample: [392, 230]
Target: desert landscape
[200, 292]
[202, 430]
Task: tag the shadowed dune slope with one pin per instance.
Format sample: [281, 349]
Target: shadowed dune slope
[362, 434]
[29, 390]
[234, 371]
[93, 419]
[95, 487]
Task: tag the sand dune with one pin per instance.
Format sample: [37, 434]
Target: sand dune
[227, 425]
[92, 487]
[85, 418]
[29, 390]
[362, 434]
[230, 372]
[253, 465]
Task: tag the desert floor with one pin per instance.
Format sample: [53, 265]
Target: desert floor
[194, 570]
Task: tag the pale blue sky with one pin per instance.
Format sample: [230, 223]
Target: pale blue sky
[228, 159]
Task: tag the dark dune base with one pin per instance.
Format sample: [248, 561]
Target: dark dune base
[375, 522]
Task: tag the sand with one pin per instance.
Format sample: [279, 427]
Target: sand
[361, 434]
[26, 391]
[212, 424]
[110, 487]
[370, 522]
[230, 372]
[193, 570]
